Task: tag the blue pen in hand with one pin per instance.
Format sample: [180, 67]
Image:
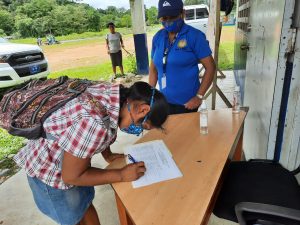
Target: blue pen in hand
[131, 158]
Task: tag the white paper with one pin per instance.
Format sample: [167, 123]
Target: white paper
[158, 161]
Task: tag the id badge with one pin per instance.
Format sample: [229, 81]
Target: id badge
[164, 82]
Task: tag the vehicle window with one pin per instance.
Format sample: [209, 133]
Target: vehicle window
[201, 13]
[189, 14]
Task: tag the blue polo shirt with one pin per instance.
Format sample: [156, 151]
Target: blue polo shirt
[182, 72]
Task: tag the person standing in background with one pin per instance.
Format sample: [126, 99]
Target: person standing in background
[114, 42]
[176, 51]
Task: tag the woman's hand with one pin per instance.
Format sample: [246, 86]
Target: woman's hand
[193, 103]
[109, 156]
[133, 171]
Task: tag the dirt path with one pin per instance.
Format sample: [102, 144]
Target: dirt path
[83, 55]
[94, 52]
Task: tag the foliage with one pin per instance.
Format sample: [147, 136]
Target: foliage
[2, 33]
[132, 67]
[33, 18]
[196, 2]
[6, 21]
[9, 144]
[152, 15]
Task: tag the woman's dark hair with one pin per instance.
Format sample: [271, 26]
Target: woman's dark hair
[110, 24]
[142, 91]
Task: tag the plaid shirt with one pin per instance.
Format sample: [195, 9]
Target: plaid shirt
[78, 128]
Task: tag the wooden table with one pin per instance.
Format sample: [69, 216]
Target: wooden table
[201, 159]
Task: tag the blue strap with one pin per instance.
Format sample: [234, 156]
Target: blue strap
[167, 50]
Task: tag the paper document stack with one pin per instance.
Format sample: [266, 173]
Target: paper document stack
[158, 160]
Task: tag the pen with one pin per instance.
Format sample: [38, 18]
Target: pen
[131, 158]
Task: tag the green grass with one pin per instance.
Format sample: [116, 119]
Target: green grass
[226, 56]
[78, 43]
[9, 144]
[101, 34]
[96, 72]
[104, 70]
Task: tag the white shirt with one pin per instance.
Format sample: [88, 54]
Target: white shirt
[114, 42]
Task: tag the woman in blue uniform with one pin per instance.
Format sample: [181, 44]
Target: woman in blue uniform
[176, 51]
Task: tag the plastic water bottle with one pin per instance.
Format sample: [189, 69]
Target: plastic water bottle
[236, 100]
[203, 118]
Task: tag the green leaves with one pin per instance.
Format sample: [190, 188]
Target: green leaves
[9, 144]
[38, 18]
[6, 21]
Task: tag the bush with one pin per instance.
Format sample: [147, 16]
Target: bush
[2, 33]
[9, 144]
[132, 68]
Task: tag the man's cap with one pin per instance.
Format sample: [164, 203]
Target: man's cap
[169, 8]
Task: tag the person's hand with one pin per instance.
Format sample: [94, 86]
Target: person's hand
[133, 171]
[193, 103]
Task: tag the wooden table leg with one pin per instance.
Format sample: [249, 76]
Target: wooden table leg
[123, 216]
[239, 149]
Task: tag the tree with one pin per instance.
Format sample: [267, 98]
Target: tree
[31, 18]
[24, 25]
[126, 21]
[6, 22]
[196, 2]
[37, 8]
[152, 15]
[2, 33]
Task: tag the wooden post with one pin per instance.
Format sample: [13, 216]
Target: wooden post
[213, 36]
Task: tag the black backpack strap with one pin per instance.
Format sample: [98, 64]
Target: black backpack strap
[28, 102]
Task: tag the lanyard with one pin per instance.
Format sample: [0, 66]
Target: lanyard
[167, 50]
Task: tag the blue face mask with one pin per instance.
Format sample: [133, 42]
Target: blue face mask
[173, 26]
[137, 129]
[133, 128]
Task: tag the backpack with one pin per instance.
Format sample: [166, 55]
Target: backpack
[24, 109]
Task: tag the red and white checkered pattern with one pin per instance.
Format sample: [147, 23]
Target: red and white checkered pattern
[77, 128]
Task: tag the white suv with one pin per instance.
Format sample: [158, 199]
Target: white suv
[20, 63]
[197, 16]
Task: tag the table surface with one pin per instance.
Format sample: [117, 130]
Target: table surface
[200, 158]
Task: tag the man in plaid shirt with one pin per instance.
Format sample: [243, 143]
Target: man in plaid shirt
[58, 167]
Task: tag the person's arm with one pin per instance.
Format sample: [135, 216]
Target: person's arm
[152, 74]
[109, 156]
[210, 68]
[107, 45]
[77, 171]
[121, 40]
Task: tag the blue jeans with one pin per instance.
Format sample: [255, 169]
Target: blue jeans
[66, 207]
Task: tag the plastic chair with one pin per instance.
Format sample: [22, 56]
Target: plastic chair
[259, 192]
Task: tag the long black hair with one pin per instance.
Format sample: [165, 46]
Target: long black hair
[142, 91]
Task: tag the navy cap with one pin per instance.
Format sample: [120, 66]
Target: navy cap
[169, 8]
